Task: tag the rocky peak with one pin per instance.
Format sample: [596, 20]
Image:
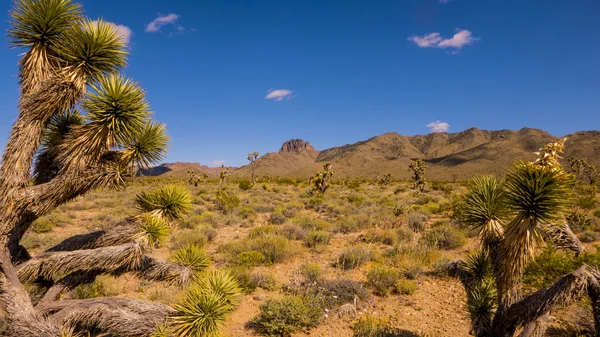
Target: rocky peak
[295, 145]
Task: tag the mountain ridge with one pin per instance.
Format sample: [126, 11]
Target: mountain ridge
[449, 156]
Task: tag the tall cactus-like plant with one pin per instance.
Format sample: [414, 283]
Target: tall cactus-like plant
[223, 174]
[70, 61]
[418, 168]
[321, 181]
[514, 217]
[252, 157]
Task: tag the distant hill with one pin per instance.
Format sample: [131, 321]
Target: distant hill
[449, 156]
[180, 169]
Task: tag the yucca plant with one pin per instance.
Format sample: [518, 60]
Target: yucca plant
[70, 61]
[205, 306]
[192, 256]
[514, 217]
[154, 230]
[171, 202]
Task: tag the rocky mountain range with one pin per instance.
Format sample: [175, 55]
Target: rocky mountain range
[448, 156]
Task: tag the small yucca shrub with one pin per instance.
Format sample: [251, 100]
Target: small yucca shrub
[154, 230]
[171, 202]
[192, 256]
[205, 307]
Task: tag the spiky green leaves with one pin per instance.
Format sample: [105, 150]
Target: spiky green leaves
[192, 256]
[41, 22]
[205, 307]
[170, 202]
[154, 230]
[481, 293]
[149, 146]
[477, 267]
[92, 48]
[485, 206]
[537, 192]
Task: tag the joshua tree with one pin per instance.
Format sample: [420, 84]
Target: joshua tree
[418, 167]
[580, 168]
[514, 216]
[385, 180]
[252, 157]
[71, 61]
[320, 182]
[223, 174]
[192, 179]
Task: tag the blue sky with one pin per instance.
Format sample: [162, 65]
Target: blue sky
[233, 76]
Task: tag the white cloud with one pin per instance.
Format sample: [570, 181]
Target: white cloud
[218, 163]
[279, 94]
[438, 126]
[434, 40]
[162, 20]
[123, 31]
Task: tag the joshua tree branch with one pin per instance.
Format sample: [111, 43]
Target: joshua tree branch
[562, 237]
[112, 316]
[542, 302]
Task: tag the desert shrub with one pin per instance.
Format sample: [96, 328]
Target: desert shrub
[412, 261]
[209, 232]
[292, 232]
[444, 237]
[424, 199]
[290, 212]
[589, 236]
[314, 201]
[262, 231]
[91, 290]
[245, 184]
[247, 212]
[311, 272]
[371, 326]
[400, 190]
[353, 257]
[188, 237]
[273, 247]
[405, 286]
[317, 238]
[346, 225]
[355, 198]
[552, 264]
[310, 223]
[280, 317]
[416, 221]
[404, 235]
[244, 278]
[250, 259]
[263, 208]
[381, 279]
[385, 236]
[341, 291]
[264, 280]
[277, 218]
[226, 202]
[191, 221]
[597, 213]
[209, 218]
[42, 225]
[578, 221]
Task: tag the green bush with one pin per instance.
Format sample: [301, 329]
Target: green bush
[277, 218]
[244, 278]
[597, 213]
[346, 225]
[589, 236]
[310, 223]
[371, 326]
[292, 232]
[245, 184]
[265, 281]
[385, 236]
[226, 202]
[92, 290]
[42, 225]
[317, 238]
[552, 264]
[444, 237]
[416, 221]
[353, 257]
[280, 317]
[405, 286]
[250, 259]
[273, 247]
[311, 272]
[259, 231]
[381, 279]
[247, 212]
